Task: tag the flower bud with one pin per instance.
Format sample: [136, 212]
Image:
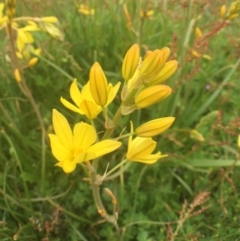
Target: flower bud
[130, 62]
[17, 75]
[152, 95]
[98, 85]
[154, 127]
[223, 11]
[198, 33]
[167, 71]
[32, 61]
[150, 64]
[165, 52]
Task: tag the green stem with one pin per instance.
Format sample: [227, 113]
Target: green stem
[116, 167]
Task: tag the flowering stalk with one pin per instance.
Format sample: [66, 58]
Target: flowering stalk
[26, 91]
[142, 88]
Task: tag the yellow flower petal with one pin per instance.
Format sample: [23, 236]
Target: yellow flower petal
[62, 129]
[68, 166]
[75, 93]
[141, 147]
[112, 91]
[104, 147]
[84, 156]
[71, 106]
[90, 109]
[50, 19]
[150, 159]
[84, 135]
[60, 152]
[20, 44]
[1, 9]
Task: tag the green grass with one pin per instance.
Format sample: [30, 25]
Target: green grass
[38, 203]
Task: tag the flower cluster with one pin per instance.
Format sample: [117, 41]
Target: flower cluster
[232, 12]
[23, 28]
[142, 88]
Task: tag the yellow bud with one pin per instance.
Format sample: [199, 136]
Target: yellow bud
[19, 55]
[152, 95]
[238, 143]
[232, 16]
[147, 54]
[167, 71]
[151, 64]
[17, 75]
[223, 11]
[165, 52]
[198, 33]
[49, 19]
[195, 135]
[130, 62]
[206, 56]
[234, 7]
[32, 61]
[154, 127]
[195, 54]
[98, 85]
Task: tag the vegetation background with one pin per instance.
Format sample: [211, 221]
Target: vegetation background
[194, 192]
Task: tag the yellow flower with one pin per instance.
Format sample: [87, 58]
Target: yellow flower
[130, 62]
[83, 100]
[52, 30]
[154, 127]
[77, 146]
[23, 37]
[238, 143]
[152, 95]
[85, 10]
[140, 150]
[146, 13]
[85, 104]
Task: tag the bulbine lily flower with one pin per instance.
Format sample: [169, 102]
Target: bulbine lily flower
[140, 150]
[85, 104]
[84, 101]
[77, 146]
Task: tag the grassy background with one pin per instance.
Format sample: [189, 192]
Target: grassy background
[205, 98]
